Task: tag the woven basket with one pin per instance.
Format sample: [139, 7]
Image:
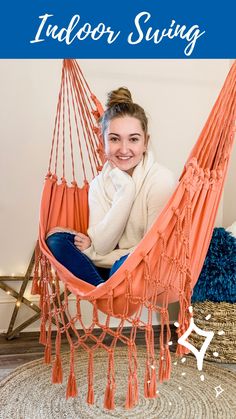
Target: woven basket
[223, 318]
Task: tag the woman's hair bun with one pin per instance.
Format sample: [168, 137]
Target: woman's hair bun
[120, 95]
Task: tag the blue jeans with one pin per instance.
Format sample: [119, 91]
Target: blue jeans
[63, 248]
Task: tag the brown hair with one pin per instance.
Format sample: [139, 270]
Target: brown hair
[119, 104]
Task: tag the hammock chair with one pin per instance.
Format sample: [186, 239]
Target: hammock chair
[163, 268]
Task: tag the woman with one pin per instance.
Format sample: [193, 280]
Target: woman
[124, 199]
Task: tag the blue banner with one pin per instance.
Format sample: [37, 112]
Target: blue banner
[121, 29]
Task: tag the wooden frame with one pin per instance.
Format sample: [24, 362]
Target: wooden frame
[21, 299]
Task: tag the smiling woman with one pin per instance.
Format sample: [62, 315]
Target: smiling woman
[124, 199]
[125, 143]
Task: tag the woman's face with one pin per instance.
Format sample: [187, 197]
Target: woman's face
[125, 143]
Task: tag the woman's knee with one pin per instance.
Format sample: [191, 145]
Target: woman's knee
[50, 241]
[55, 242]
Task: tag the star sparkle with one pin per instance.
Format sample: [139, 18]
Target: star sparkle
[198, 354]
[218, 390]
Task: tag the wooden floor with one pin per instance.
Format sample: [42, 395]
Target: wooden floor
[26, 348]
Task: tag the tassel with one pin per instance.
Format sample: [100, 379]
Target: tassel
[136, 395]
[90, 395]
[48, 347]
[41, 300]
[130, 402]
[167, 370]
[182, 350]
[35, 288]
[47, 354]
[132, 390]
[71, 390]
[57, 374]
[161, 366]
[150, 383]
[150, 378]
[164, 365]
[43, 337]
[147, 381]
[168, 363]
[109, 397]
[153, 384]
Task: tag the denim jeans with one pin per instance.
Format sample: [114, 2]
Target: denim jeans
[63, 248]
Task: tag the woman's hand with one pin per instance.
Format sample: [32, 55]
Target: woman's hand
[82, 241]
[111, 162]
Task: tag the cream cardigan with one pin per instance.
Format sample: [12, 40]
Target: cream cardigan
[123, 208]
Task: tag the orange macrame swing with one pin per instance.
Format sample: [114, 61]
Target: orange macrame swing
[163, 268]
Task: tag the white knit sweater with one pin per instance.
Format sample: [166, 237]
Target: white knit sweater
[122, 208]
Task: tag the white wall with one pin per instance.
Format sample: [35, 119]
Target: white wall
[177, 95]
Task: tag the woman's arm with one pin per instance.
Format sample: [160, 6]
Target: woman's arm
[109, 259]
[106, 227]
[161, 189]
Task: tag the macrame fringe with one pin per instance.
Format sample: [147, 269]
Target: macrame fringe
[48, 354]
[164, 364]
[57, 374]
[90, 395]
[184, 315]
[48, 347]
[164, 370]
[72, 390]
[181, 350]
[109, 398]
[43, 336]
[132, 395]
[35, 289]
[150, 380]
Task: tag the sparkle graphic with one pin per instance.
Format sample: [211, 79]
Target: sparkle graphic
[221, 332]
[208, 317]
[215, 354]
[218, 390]
[198, 354]
[183, 360]
[202, 377]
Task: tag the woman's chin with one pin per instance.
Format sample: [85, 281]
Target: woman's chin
[125, 167]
